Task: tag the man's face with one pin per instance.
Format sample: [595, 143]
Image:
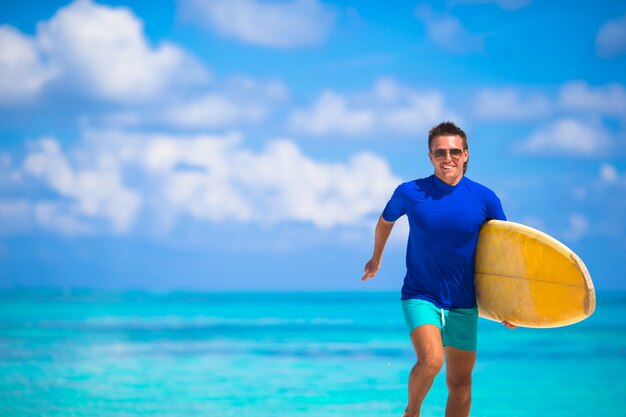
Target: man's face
[448, 156]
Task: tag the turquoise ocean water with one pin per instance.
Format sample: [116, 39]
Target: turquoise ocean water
[283, 354]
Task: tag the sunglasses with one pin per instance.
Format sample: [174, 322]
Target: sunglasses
[441, 153]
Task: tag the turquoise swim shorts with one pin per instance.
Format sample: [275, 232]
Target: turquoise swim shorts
[459, 327]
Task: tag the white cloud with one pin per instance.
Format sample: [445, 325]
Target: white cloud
[243, 87]
[216, 179]
[574, 97]
[7, 174]
[510, 5]
[62, 218]
[236, 102]
[106, 50]
[608, 173]
[387, 107]
[611, 38]
[96, 192]
[211, 179]
[22, 74]
[209, 111]
[326, 194]
[15, 215]
[96, 51]
[448, 32]
[195, 176]
[419, 113]
[212, 110]
[286, 24]
[609, 99]
[578, 227]
[602, 203]
[567, 137]
[329, 115]
[510, 104]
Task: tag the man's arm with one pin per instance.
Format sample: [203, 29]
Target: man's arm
[383, 229]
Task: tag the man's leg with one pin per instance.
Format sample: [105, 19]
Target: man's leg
[429, 349]
[459, 367]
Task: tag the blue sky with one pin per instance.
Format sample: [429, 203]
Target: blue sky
[246, 144]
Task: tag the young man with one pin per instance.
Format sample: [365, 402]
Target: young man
[445, 213]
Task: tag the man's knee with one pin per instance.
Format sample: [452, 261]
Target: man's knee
[430, 364]
[459, 384]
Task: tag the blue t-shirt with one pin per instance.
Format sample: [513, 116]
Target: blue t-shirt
[444, 223]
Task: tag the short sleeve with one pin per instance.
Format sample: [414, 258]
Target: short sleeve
[494, 208]
[395, 207]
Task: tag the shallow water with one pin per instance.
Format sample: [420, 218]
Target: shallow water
[283, 354]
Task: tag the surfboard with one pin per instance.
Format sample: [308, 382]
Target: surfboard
[528, 278]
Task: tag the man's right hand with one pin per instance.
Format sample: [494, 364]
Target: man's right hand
[370, 270]
[383, 229]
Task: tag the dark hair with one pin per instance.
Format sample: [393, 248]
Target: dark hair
[448, 129]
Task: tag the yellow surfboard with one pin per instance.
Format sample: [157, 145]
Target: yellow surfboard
[529, 279]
